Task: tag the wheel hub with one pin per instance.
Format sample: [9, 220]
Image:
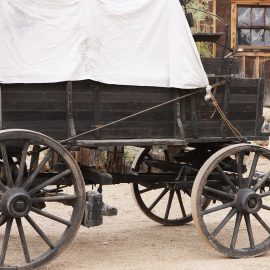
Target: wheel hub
[248, 201]
[16, 203]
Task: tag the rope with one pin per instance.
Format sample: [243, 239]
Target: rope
[128, 117]
[234, 130]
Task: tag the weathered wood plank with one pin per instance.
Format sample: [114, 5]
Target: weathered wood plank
[134, 142]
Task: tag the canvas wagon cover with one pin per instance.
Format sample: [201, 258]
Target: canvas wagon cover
[130, 42]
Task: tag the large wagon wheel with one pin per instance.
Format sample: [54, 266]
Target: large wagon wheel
[237, 178]
[31, 236]
[157, 201]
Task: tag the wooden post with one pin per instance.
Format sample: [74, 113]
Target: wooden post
[214, 27]
[233, 26]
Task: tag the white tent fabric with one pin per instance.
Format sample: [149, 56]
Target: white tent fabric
[130, 42]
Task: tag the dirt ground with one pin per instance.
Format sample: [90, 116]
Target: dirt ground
[132, 241]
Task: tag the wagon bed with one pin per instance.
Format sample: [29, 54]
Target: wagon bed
[61, 110]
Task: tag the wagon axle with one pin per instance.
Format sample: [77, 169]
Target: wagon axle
[16, 203]
[248, 201]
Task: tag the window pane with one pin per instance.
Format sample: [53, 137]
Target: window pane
[257, 16]
[244, 37]
[257, 37]
[244, 15]
[267, 38]
[267, 16]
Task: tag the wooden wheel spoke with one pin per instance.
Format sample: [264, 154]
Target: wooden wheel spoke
[157, 200]
[3, 188]
[142, 191]
[23, 240]
[234, 233]
[22, 165]
[146, 190]
[2, 219]
[23, 170]
[40, 232]
[262, 222]
[49, 181]
[236, 230]
[61, 198]
[149, 157]
[218, 208]
[219, 192]
[34, 158]
[252, 169]
[169, 205]
[265, 194]
[261, 182]
[34, 174]
[178, 193]
[265, 207]
[249, 230]
[51, 216]
[6, 165]
[239, 161]
[5, 241]
[167, 157]
[223, 222]
[227, 179]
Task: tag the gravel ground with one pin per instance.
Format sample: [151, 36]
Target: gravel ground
[132, 241]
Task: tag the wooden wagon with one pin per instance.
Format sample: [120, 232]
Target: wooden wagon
[201, 162]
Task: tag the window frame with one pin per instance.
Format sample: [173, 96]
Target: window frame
[235, 4]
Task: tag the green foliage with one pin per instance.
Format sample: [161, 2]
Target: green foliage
[200, 10]
[196, 5]
[204, 49]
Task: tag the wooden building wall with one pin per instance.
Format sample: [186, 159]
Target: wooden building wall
[252, 60]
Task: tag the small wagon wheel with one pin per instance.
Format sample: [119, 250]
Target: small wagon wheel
[157, 201]
[237, 179]
[40, 212]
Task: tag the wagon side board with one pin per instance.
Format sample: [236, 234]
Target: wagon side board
[64, 109]
[241, 101]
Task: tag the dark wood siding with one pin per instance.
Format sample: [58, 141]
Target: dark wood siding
[42, 107]
[224, 11]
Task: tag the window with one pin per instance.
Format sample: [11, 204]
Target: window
[253, 26]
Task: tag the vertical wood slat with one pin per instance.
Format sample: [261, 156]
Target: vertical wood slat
[71, 131]
[175, 110]
[233, 26]
[178, 127]
[266, 76]
[259, 110]
[244, 67]
[257, 67]
[97, 112]
[194, 119]
[226, 105]
[214, 27]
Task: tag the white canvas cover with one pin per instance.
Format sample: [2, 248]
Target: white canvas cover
[131, 42]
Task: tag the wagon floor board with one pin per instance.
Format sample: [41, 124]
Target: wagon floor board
[135, 142]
